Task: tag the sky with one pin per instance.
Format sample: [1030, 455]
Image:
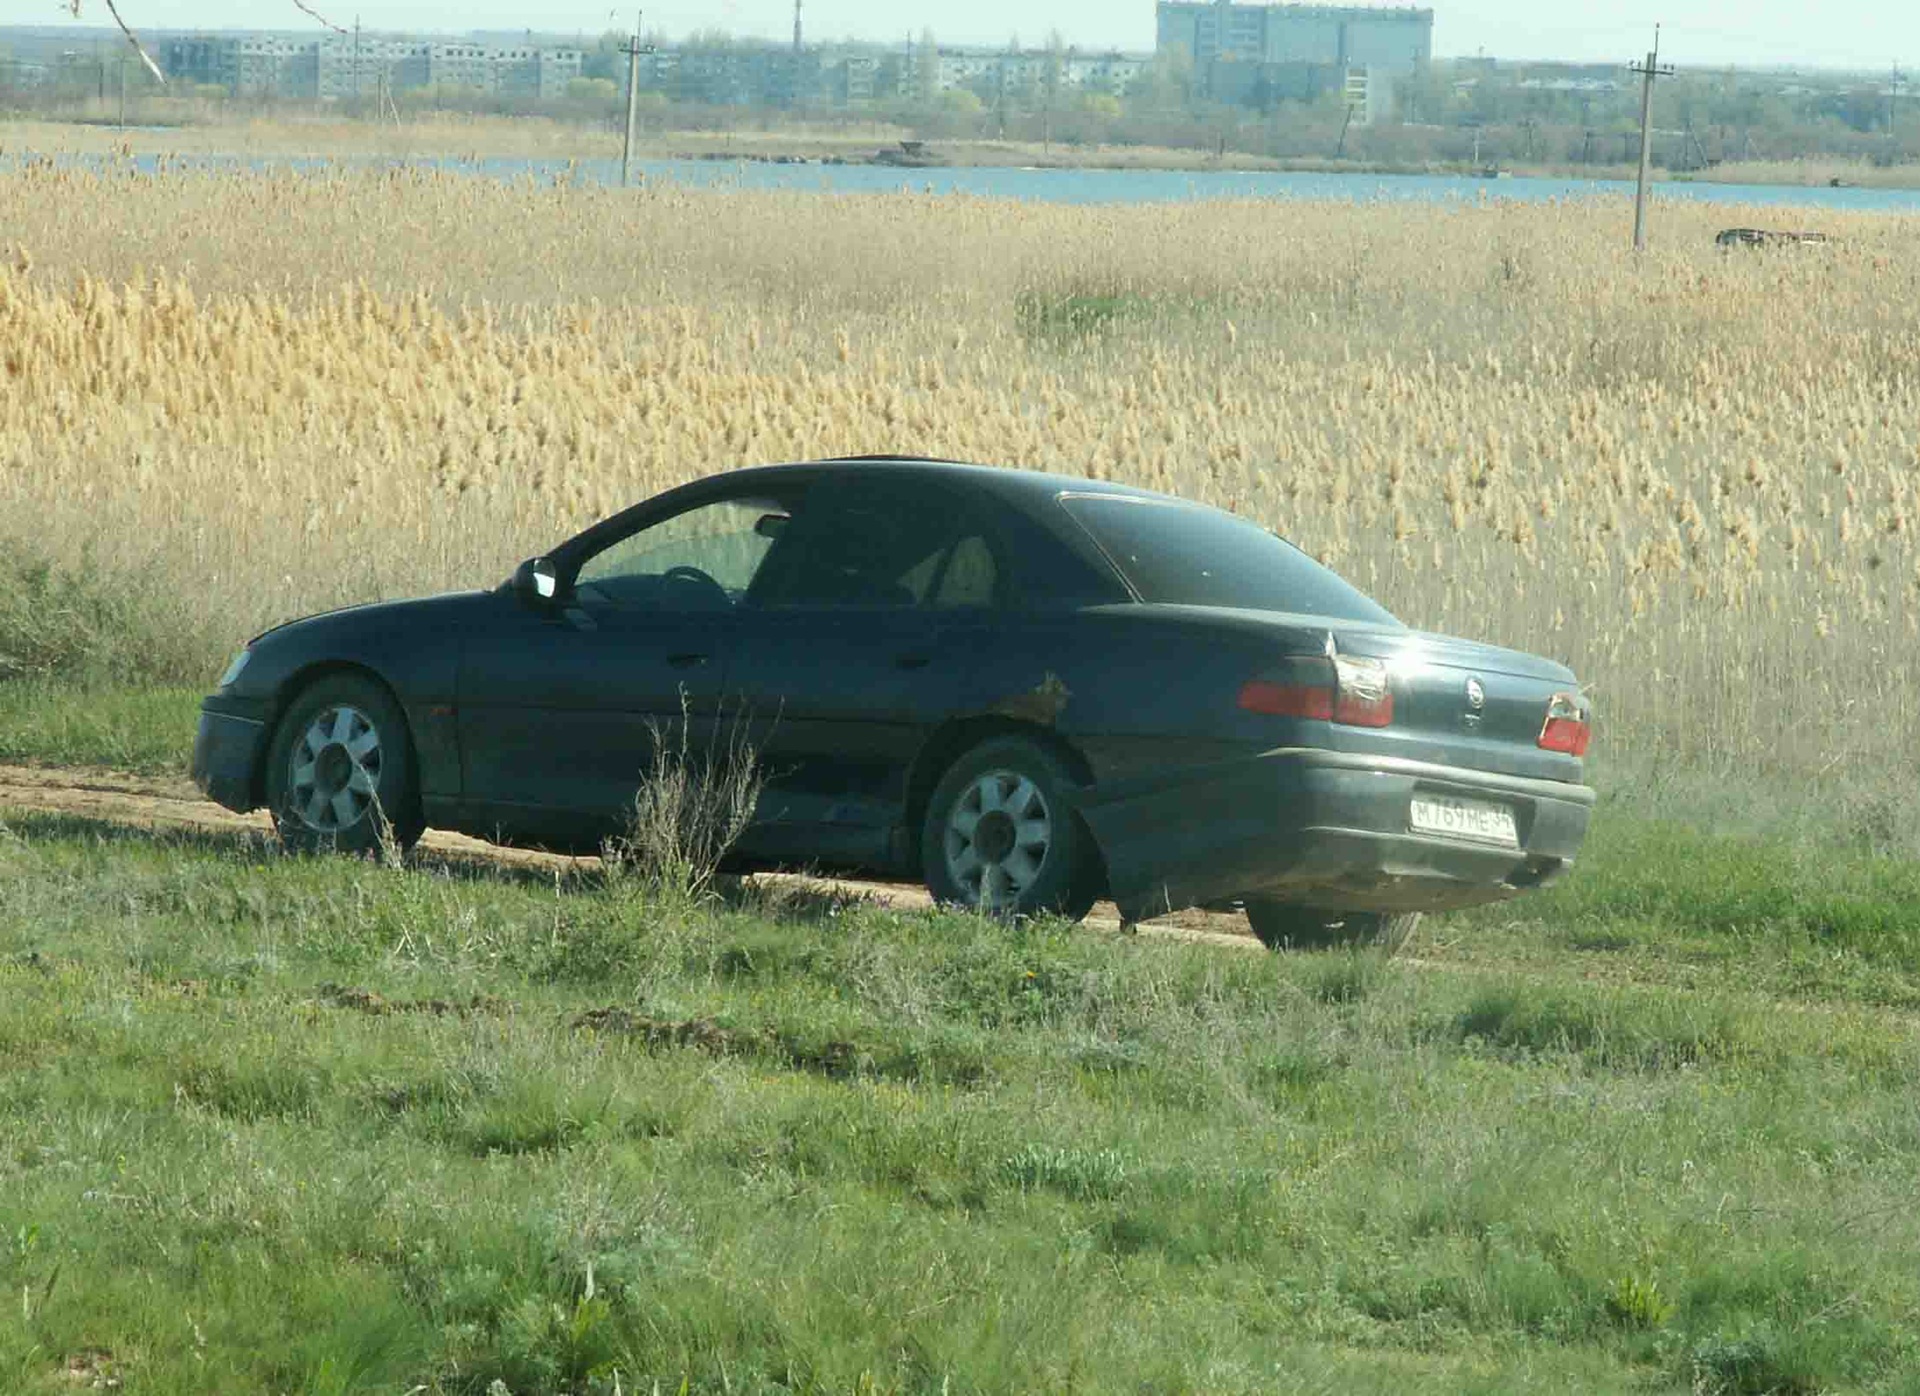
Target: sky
[1866, 34]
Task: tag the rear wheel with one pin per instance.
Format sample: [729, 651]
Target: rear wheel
[1001, 836]
[1284, 926]
[340, 770]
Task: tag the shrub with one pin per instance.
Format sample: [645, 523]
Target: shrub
[692, 807]
[87, 623]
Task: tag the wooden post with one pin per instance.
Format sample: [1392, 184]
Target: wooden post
[634, 50]
[1649, 73]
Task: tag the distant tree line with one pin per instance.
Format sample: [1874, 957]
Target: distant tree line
[1449, 112]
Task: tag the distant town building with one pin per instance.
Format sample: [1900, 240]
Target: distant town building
[350, 67]
[272, 67]
[989, 69]
[365, 66]
[342, 67]
[1256, 54]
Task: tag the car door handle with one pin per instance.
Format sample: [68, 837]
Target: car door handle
[913, 661]
[686, 661]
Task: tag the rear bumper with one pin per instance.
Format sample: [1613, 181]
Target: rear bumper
[226, 758]
[1330, 830]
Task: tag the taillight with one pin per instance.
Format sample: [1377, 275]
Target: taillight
[1364, 693]
[1353, 692]
[1271, 699]
[1568, 726]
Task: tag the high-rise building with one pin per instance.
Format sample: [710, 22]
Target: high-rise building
[1242, 51]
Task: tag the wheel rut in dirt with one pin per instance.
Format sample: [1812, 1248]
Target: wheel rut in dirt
[164, 803]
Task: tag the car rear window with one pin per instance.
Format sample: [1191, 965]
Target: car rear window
[1188, 555]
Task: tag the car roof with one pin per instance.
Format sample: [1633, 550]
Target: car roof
[1026, 492]
[1014, 483]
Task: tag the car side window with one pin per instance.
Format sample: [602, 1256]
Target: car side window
[972, 577]
[704, 559]
[864, 549]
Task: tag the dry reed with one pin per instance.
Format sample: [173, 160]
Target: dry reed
[1691, 476]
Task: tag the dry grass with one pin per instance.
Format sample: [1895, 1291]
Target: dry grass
[1813, 173]
[196, 128]
[1692, 477]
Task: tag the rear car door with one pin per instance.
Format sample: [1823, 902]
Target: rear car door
[561, 711]
[858, 640]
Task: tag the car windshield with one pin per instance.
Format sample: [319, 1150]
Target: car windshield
[1188, 555]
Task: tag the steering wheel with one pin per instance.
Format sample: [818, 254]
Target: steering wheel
[687, 573]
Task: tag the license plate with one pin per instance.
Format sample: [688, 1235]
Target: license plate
[1465, 819]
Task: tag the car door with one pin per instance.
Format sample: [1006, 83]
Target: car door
[856, 641]
[563, 708]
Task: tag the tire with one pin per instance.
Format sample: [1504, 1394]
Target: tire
[1284, 926]
[1012, 797]
[340, 767]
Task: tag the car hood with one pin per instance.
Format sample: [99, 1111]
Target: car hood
[377, 614]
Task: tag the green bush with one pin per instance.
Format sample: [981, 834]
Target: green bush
[85, 622]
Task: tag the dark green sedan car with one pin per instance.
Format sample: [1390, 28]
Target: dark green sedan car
[1027, 690]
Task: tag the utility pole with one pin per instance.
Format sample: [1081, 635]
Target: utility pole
[633, 52]
[799, 89]
[123, 93]
[1652, 71]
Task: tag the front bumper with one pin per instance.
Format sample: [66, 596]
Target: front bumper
[1330, 830]
[227, 752]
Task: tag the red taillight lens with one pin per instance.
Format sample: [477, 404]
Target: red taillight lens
[1272, 699]
[1568, 727]
[1355, 692]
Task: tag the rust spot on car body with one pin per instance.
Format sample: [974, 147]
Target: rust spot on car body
[1042, 704]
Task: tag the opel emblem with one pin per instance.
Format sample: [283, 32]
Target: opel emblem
[1476, 695]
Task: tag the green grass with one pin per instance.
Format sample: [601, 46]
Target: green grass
[319, 1126]
[1797, 916]
[93, 623]
[76, 724]
[98, 666]
[1078, 314]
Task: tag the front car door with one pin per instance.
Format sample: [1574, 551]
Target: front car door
[563, 709]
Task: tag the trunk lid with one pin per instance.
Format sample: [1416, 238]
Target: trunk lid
[1461, 703]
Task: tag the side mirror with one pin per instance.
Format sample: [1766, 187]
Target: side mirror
[537, 583]
[771, 525]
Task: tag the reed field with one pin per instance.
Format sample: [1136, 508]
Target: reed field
[1692, 475]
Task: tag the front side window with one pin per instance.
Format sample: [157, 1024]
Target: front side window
[703, 559]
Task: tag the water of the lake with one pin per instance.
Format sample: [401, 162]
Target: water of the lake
[1076, 186]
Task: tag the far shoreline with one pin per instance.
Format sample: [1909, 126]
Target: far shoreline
[454, 136]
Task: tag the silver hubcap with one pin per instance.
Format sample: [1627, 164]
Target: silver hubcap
[333, 771]
[998, 835]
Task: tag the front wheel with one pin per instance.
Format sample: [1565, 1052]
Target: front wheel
[1284, 926]
[340, 771]
[1001, 836]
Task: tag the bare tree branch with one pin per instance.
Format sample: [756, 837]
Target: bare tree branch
[309, 10]
[152, 67]
[73, 8]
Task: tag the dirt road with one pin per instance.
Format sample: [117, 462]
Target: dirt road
[170, 802]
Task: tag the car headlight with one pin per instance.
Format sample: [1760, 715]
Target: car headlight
[233, 669]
